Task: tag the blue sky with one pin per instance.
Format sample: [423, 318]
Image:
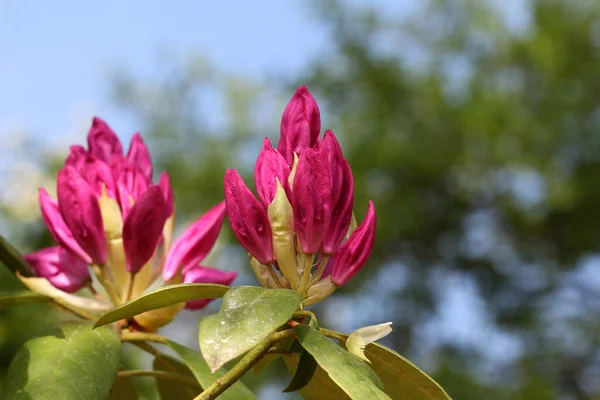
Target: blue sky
[57, 56]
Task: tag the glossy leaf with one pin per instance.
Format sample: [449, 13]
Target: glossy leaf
[247, 316]
[123, 389]
[71, 361]
[303, 374]
[14, 260]
[345, 369]
[13, 298]
[201, 371]
[170, 389]
[163, 297]
[401, 378]
[320, 387]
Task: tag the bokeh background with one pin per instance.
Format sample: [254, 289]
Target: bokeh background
[474, 125]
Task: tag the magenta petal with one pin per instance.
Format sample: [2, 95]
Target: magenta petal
[142, 228]
[300, 124]
[202, 274]
[57, 227]
[311, 200]
[195, 243]
[354, 253]
[167, 190]
[98, 174]
[78, 204]
[248, 218]
[270, 166]
[103, 143]
[76, 157]
[341, 214]
[64, 271]
[139, 156]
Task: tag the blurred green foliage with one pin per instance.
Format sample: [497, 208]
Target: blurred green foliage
[476, 133]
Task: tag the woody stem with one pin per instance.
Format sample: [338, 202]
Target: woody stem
[99, 270]
[306, 273]
[130, 283]
[321, 269]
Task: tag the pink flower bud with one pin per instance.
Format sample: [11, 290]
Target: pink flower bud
[142, 228]
[248, 218]
[167, 190]
[311, 200]
[98, 174]
[341, 214]
[195, 243]
[78, 204]
[64, 271]
[103, 142]
[300, 124]
[76, 157]
[354, 253]
[270, 165]
[139, 156]
[202, 274]
[57, 227]
[332, 153]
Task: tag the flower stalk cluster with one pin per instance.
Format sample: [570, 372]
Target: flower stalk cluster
[110, 215]
[300, 232]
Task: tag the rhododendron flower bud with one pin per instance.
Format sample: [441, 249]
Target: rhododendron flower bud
[332, 153]
[164, 183]
[139, 156]
[269, 167]
[98, 174]
[64, 271]
[58, 228]
[195, 243]
[341, 215]
[300, 124]
[78, 204]
[103, 142]
[200, 274]
[248, 218]
[311, 200]
[76, 157]
[354, 253]
[142, 228]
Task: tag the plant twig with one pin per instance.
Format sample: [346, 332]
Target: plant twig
[320, 270]
[334, 334]
[130, 283]
[160, 375]
[243, 366]
[104, 280]
[275, 277]
[306, 273]
[127, 336]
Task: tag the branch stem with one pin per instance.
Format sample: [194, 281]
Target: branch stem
[303, 286]
[243, 366]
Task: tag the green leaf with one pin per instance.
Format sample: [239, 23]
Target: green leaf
[320, 387]
[163, 297]
[303, 374]
[201, 371]
[123, 389]
[71, 361]
[345, 369]
[401, 377]
[13, 298]
[168, 389]
[11, 257]
[248, 315]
